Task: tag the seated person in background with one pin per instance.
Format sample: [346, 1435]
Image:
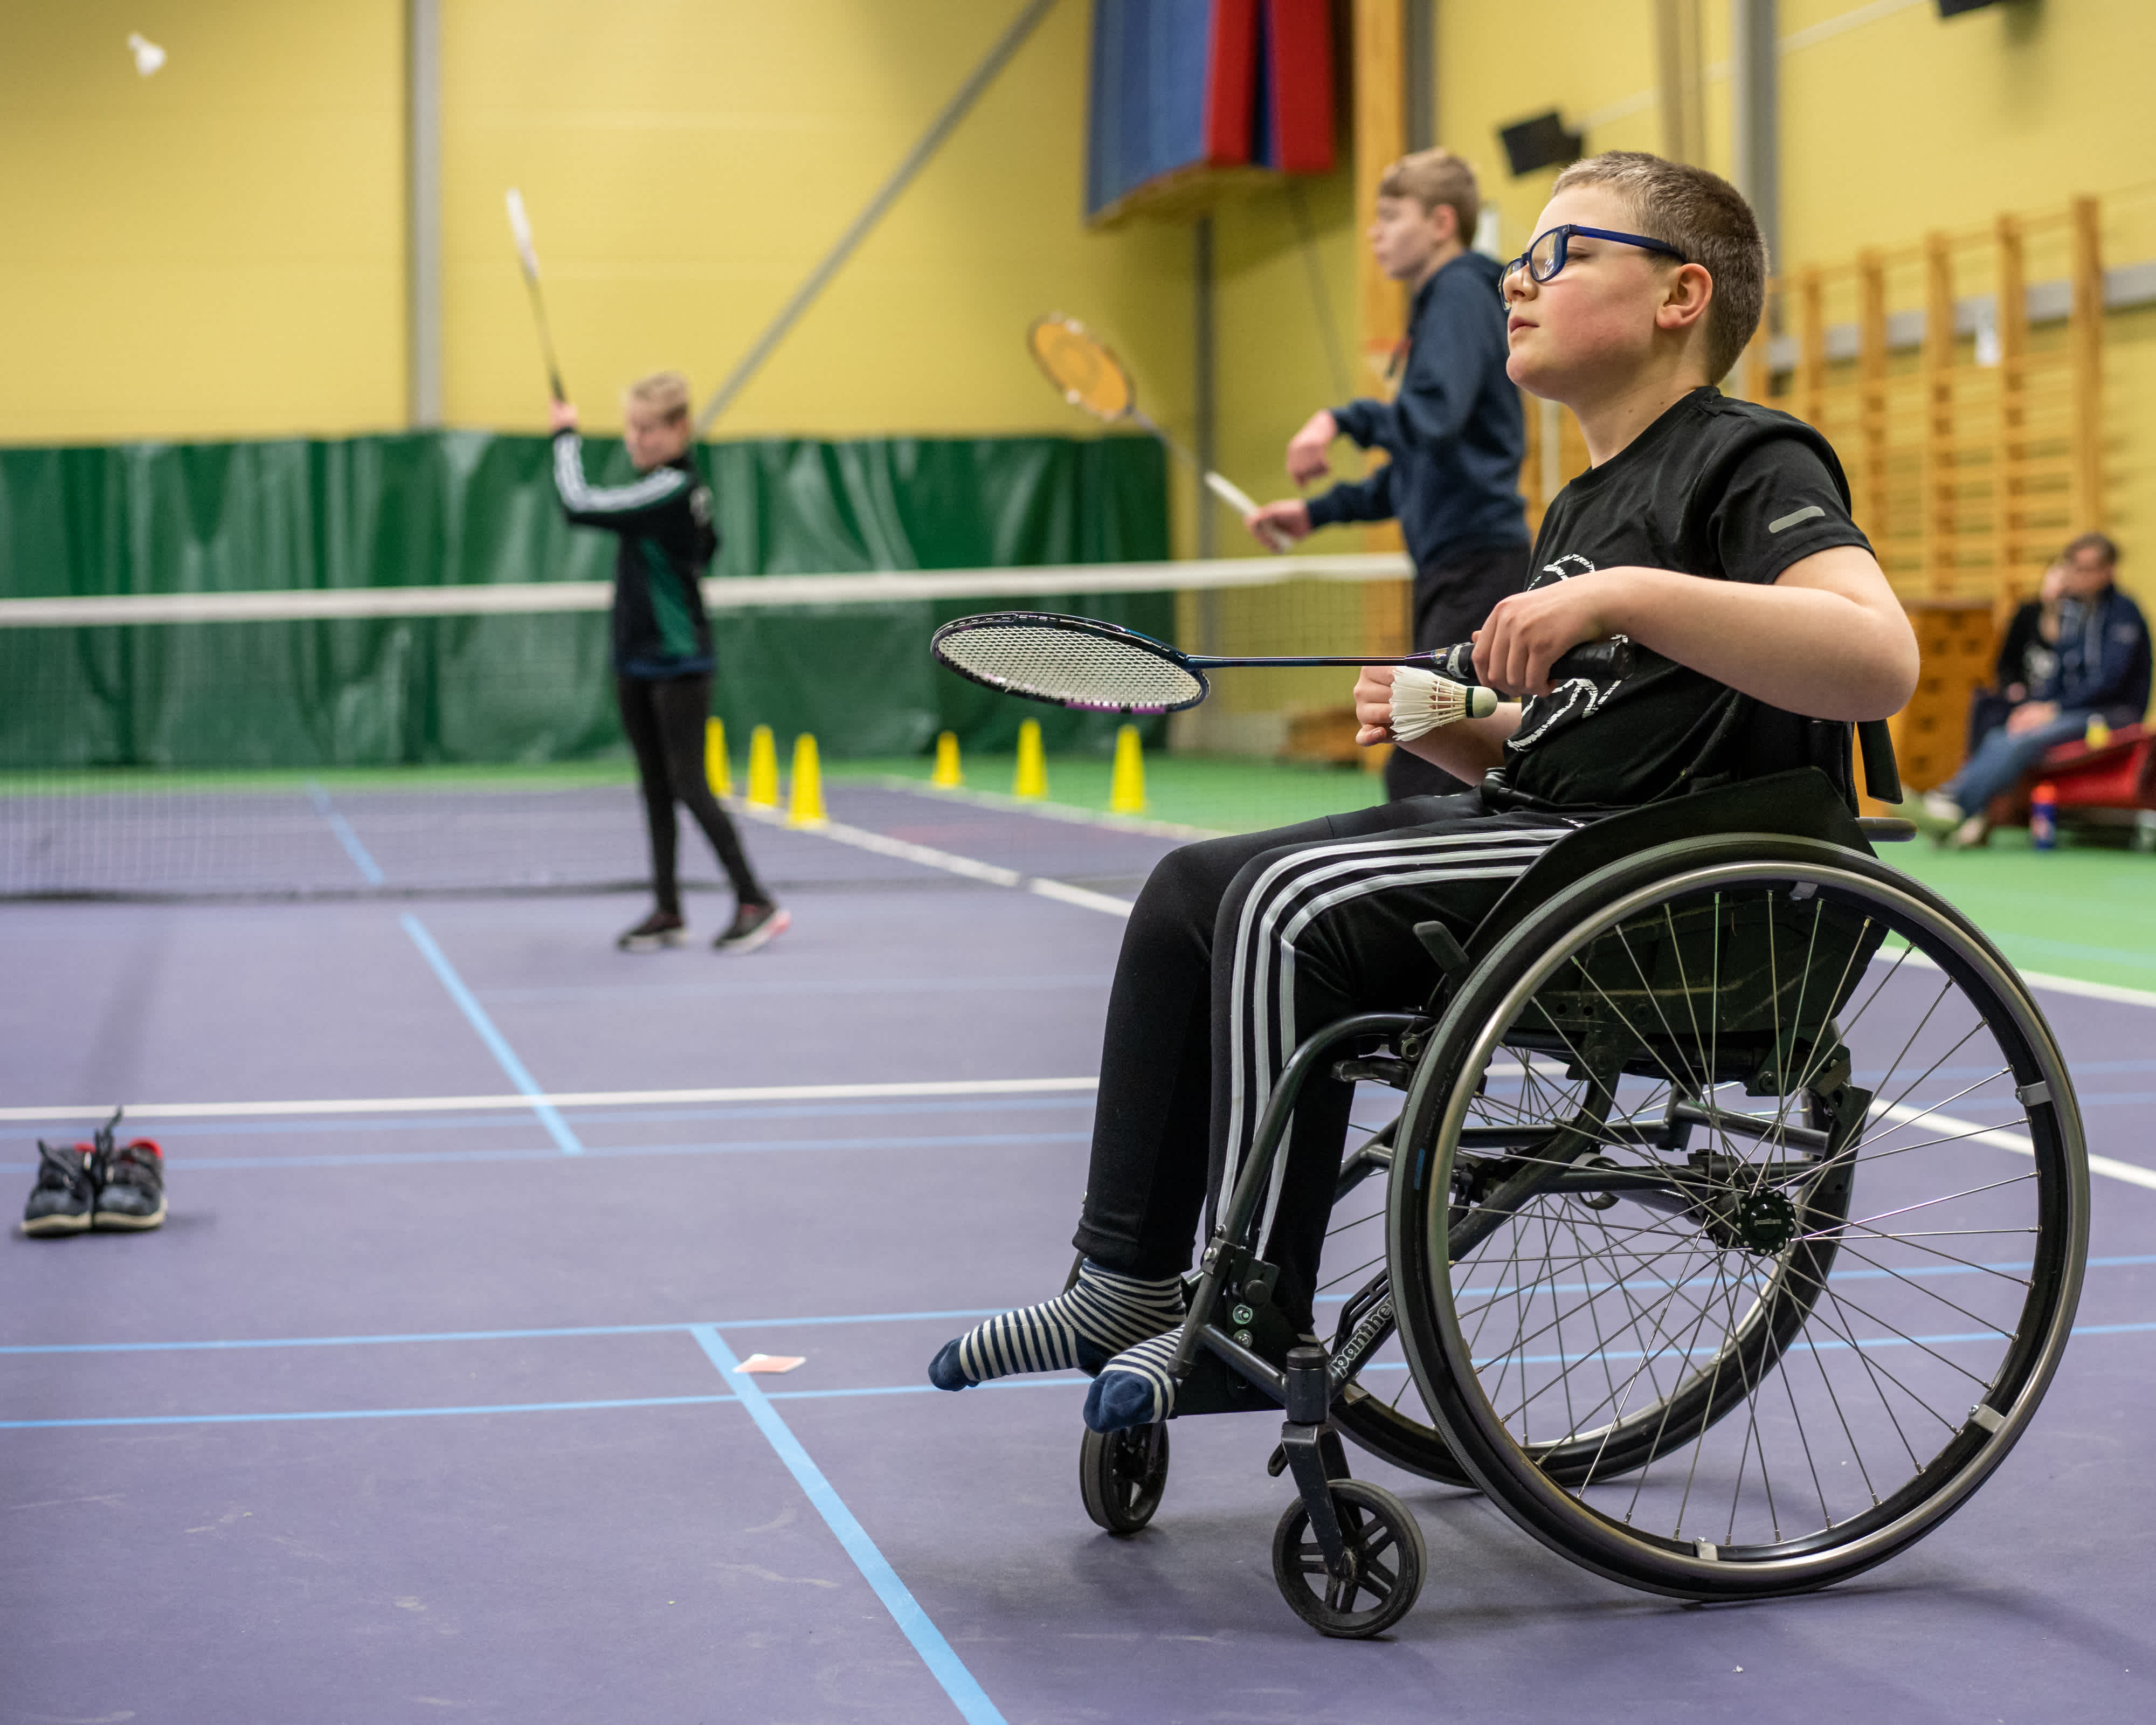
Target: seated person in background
[2103, 672]
[2027, 659]
[1715, 534]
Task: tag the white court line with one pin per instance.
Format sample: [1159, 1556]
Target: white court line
[990, 874]
[2063, 984]
[1901, 1114]
[566, 1099]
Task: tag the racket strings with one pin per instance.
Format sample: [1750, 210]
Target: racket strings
[1077, 670]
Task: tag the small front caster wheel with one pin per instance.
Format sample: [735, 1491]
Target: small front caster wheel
[1121, 1475]
[1386, 1558]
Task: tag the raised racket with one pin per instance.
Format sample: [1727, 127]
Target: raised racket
[1087, 374]
[520, 229]
[1102, 667]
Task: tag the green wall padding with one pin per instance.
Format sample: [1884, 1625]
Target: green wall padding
[431, 508]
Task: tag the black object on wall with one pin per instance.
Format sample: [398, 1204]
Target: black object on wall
[1540, 141]
[1951, 8]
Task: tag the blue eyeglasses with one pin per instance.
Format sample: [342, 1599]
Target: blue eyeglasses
[1543, 259]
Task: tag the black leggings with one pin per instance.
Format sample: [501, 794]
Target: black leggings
[1237, 949]
[665, 720]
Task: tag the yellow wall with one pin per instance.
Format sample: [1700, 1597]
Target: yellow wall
[215, 251]
[218, 250]
[685, 163]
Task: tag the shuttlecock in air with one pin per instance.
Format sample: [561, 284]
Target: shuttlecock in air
[148, 56]
[1422, 700]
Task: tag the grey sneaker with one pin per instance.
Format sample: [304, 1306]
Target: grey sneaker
[661, 928]
[753, 925]
[60, 1202]
[130, 1185]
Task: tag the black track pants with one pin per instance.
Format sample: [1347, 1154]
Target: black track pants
[664, 721]
[1237, 948]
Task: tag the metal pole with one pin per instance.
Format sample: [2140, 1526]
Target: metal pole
[887, 194]
[422, 212]
[1203, 384]
[1755, 116]
[1421, 71]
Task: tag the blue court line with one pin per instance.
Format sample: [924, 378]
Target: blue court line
[747, 1147]
[558, 1128]
[945, 1666]
[299, 1126]
[369, 870]
[1059, 1381]
[2138, 1260]
[854, 1393]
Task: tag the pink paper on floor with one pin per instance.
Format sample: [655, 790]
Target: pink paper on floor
[761, 1363]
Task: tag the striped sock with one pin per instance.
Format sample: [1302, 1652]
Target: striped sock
[1083, 1327]
[1135, 1388]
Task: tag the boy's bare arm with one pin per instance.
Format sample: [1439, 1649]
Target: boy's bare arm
[1828, 639]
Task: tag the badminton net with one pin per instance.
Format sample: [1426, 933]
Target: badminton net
[386, 741]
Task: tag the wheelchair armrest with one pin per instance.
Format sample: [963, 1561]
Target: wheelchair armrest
[1886, 829]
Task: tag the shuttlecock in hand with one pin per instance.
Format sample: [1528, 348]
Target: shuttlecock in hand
[148, 56]
[1422, 700]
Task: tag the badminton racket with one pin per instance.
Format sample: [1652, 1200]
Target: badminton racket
[1102, 667]
[1087, 374]
[520, 229]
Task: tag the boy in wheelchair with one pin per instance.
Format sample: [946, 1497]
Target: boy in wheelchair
[1715, 535]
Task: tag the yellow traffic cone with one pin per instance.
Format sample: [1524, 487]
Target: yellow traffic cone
[718, 770]
[805, 808]
[1126, 785]
[762, 769]
[946, 772]
[1032, 776]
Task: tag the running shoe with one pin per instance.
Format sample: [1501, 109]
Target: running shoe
[752, 926]
[131, 1186]
[661, 928]
[60, 1202]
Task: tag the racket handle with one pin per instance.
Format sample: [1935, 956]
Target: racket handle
[1597, 660]
[1237, 499]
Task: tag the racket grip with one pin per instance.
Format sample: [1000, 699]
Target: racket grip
[1237, 499]
[1599, 661]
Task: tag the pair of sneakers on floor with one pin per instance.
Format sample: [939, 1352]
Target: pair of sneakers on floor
[1122, 1330]
[101, 1185]
[753, 925]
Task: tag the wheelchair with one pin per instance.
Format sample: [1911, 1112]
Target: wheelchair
[1728, 1234]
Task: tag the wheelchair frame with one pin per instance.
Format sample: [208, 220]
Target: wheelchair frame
[1352, 1539]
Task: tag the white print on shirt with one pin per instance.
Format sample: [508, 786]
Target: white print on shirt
[1576, 697]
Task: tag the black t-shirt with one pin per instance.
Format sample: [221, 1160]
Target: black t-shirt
[1723, 490]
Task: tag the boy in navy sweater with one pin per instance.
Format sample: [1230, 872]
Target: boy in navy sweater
[1455, 432]
[663, 660]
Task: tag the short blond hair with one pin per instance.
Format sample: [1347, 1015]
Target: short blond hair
[665, 393]
[1704, 216]
[1435, 177]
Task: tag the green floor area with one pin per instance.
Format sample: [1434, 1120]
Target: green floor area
[1222, 794]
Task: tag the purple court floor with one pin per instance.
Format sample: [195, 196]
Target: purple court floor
[421, 1405]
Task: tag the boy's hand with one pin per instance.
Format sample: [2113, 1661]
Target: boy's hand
[562, 416]
[1289, 518]
[1528, 632]
[1305, 449]
[2031, 716]
[1374, 705]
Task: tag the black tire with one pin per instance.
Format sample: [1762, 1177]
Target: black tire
[1389, 1561]
[1121, 1476]
[1835, 1292]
